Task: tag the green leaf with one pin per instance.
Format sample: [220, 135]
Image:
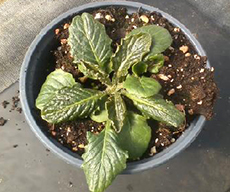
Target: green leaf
[116, 111]
[130, 52]
[161, 38]
[141, 86]
[89, 42]
[55, 81]
[158, 109]
[94, 72]
[70, 103]
[135, 135]
[139, 68]
[155, 63]
[103, 159]
[101, 114]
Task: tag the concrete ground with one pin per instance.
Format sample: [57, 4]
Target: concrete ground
[203, 167]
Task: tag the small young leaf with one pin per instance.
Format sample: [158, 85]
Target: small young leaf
[103, 159]
[94, 72]
[70, 103]
[55, 81]
[158, 109]
[100, 114]
[131, 51]
[139, 68]
[161, 38]
[116, 111]
[141, 86]
[135, 135]
[155, 63]
[89, 42]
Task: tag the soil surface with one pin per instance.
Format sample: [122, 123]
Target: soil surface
[73, 134]
[185, 79]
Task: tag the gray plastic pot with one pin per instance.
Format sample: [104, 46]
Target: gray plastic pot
[37, 65]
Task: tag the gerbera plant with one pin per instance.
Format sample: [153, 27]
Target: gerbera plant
[129, 99]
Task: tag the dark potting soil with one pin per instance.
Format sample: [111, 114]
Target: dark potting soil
[73, 134]
[185, 79]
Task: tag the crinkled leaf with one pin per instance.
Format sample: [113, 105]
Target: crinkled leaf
[116, 111]
[94, 72]
[55, 81]
[70, 103]
[161, 38]
[139, 68]
[135, 135]
[158, 109]
[89, 42]
[131, 51]
[103, 159]
[141, 86]
[155, 63]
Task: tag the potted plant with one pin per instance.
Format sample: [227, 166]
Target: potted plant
[120, 87]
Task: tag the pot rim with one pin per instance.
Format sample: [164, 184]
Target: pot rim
[133, 167]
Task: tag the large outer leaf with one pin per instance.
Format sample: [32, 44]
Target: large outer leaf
[94, 72]
[142, 86]
[55, 81]
[103, 159]
[158, 109]
[161, 38]
[70, 103]
[131, 51]
[135, 135]
[116, 111]
[89, 42]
